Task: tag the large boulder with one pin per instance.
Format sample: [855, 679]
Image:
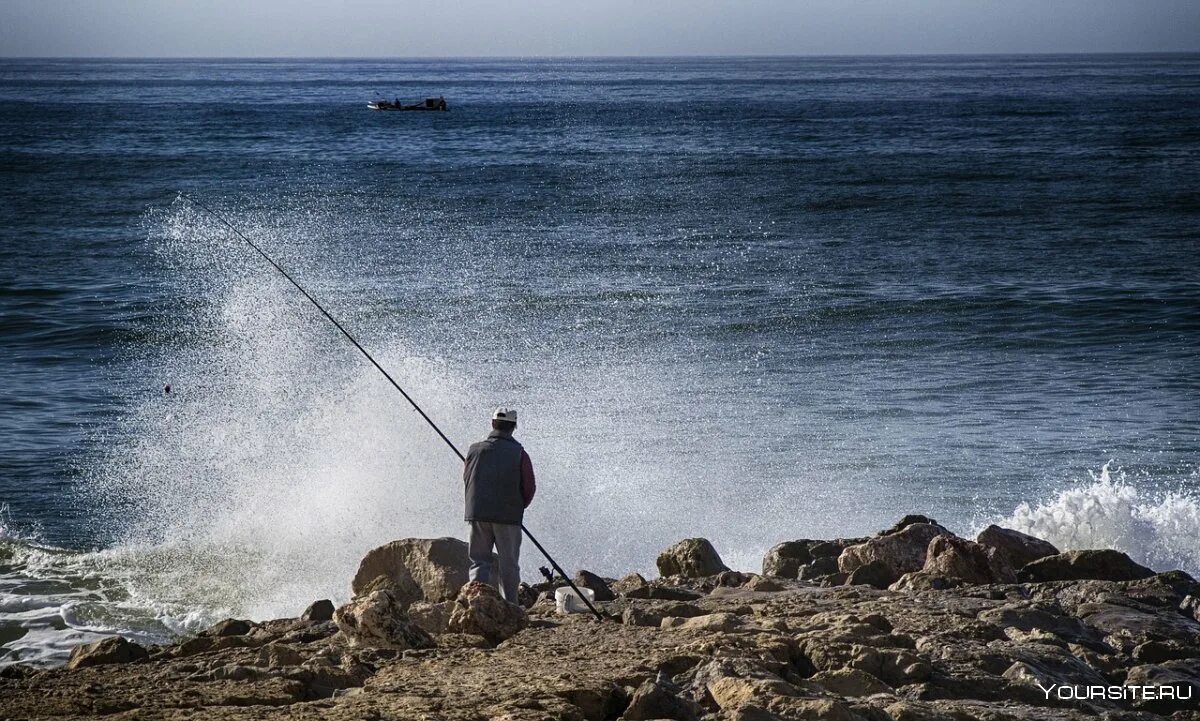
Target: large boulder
[899, 552]
[1098, 564]
[480, 611]
[691, 558]
[785, 559]
[378, 620]
[1015, 547]
[113, 649]
[966, 561]
[419, 569]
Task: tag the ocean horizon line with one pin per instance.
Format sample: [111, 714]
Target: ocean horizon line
[649, 56]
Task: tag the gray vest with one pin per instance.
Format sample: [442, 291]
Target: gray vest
[493, 480]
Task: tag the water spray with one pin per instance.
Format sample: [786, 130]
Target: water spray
[221, 219]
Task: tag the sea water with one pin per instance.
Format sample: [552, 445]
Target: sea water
[746, 299]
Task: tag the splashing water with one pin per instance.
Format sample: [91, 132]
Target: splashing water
[1158, 529]
[280, 457]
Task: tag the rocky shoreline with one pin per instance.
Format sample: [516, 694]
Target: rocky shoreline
[912, 624]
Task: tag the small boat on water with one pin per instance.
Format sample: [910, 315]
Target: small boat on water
[430, 104]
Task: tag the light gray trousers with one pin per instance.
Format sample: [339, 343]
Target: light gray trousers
[506, 538]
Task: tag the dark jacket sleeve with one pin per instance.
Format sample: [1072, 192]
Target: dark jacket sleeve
[528, 485]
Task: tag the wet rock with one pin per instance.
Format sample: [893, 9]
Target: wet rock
[691, 558]
[587, 579]
[966, 561]
[1100, 564]
[114, 649]
[229, 627]
[422, 569]
[901, 551]
[785, 559]
[319, 611]
[479, 610]
[1015, 547]
[656, 700]
[379, 621]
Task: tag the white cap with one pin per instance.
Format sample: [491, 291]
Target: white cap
[505, 414]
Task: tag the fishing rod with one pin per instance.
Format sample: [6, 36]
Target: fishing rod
[220, 218]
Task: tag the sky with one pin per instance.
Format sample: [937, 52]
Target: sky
[442, 28]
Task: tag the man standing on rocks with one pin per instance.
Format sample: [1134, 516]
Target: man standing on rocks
[498, 476]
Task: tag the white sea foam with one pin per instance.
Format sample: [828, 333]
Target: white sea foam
[1159, 528]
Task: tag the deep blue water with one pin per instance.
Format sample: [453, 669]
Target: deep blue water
[752, 299]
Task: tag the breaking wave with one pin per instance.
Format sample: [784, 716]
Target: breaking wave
[1158, 528]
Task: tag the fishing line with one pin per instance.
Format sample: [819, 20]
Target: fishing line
[221, 219]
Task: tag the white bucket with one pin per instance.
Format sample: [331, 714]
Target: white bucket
[568, 602]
